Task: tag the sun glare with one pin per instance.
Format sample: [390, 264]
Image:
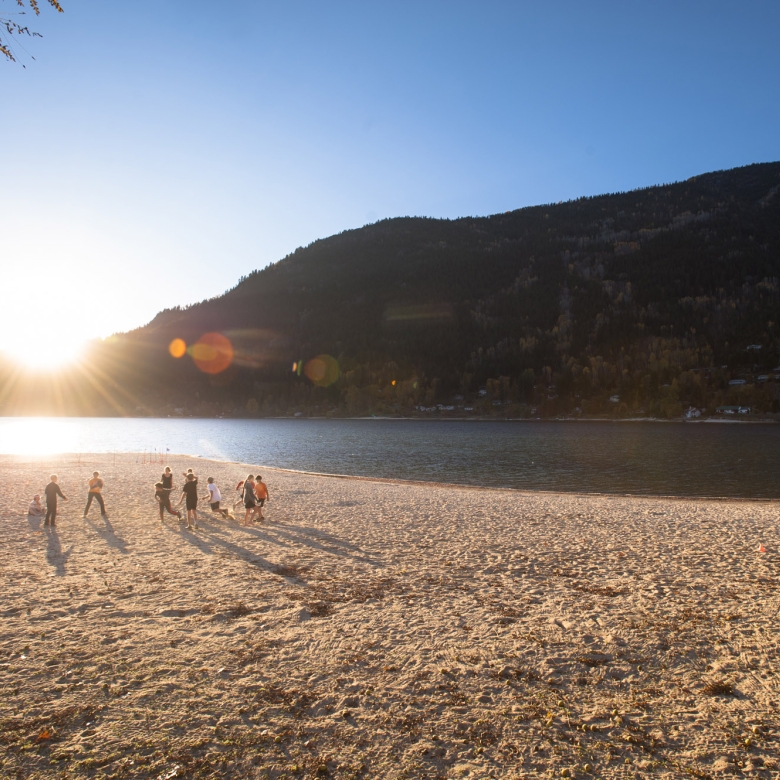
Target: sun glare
[41, 352]
[38, 436]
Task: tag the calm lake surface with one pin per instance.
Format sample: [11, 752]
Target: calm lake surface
[704, 459]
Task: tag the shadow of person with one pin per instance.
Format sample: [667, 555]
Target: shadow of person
[108, 533]
[211, 538]
[192, 538]
[34, 521]
[286, 534]
[54, 554]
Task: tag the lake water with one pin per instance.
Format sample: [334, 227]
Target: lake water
[600, 457]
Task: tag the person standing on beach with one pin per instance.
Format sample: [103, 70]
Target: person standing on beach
[167, 478]
[52, 491]
[189, 491]
[248, 495]
[95, 487]
[214, 498]
[162, 495]
[261, 495]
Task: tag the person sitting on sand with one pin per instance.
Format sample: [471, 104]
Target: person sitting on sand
[36, 508]
[162, 495]
[248, 494]
[189, 491]
[52, 491]
[214, 497]
[95, 486]
[261, 495]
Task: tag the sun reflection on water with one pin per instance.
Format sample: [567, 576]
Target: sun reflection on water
[39, 436]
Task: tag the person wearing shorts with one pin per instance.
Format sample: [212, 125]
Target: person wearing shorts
[214, 498]
[95, 486]
[52, 491]
[163, 497]
[248, 494]
[261, 495]
[189, 491]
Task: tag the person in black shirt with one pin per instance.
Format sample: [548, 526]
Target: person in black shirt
[248, 494]
[52, 491]
[167, 478]
[190, 491]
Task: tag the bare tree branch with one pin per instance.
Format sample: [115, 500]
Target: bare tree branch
[10, 27]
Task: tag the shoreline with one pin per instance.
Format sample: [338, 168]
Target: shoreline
[439, 419]
[402, 482]
[371, 628]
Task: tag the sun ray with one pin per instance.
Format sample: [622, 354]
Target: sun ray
[89, 369]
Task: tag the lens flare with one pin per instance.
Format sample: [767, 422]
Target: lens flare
[178, 348]
[213, 353]
[322, 370]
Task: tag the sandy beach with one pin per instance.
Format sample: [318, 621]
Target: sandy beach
[376, 629]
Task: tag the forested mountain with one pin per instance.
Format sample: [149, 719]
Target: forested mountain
[631, 304]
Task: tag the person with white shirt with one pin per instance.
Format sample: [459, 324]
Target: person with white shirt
[36, 508]
[214, 498]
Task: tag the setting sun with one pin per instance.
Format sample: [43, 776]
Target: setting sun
[41, 350]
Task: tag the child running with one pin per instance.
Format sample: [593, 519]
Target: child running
[189, 491]
[162, 495]
[261, 495]
[52, 491]
[214, 497]
[240, 493]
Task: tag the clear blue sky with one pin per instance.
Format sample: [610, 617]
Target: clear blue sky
[155, 152]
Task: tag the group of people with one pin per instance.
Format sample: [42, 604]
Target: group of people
[252, 495]
[53, 493]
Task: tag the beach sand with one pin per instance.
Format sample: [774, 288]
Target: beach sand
[384, 630]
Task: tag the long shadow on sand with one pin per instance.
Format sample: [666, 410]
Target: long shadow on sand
[314, 538]
[209, 537]
[207, 544]
[107, 532]
[54, 554]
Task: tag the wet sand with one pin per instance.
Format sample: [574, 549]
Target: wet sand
[384, 630]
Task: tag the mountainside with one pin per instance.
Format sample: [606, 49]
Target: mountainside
[638, 303]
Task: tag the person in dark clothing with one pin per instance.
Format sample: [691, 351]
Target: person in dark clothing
[167, 478]
[189, 491]
[248, 494]
[163, 498]
[52, 491]
[95, 486]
